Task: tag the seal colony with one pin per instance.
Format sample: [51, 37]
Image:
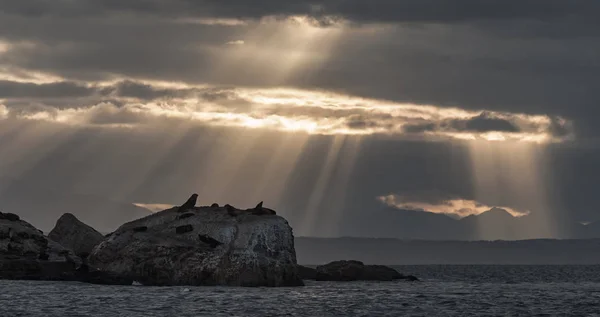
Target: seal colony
[232, 211]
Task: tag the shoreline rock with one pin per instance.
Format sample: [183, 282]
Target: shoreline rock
[358, 271]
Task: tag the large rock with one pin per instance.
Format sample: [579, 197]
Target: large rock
[25, 253]
[75, 235]
[358, 271]
[213, 246]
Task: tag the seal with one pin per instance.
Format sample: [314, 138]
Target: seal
[189, 204]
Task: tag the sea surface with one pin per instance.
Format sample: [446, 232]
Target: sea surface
[455, 290]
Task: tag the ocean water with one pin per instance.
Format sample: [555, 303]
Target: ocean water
[444, 291]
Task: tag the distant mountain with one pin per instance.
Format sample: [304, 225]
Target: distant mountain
[42, 206]
[408, 252]
[493, 215]
[494, 224]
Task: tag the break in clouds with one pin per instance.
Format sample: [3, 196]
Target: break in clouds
[130, 104]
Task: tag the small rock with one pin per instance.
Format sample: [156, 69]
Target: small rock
[356, 271]
[215, 205]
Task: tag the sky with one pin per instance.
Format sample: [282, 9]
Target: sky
[336, 113]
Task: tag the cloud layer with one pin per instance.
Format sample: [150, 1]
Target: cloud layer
[130, 103]
[451, 206]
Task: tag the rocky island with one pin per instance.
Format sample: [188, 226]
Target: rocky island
[203, 246]
[183, 245]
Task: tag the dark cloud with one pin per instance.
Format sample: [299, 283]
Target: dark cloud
[485, 122]
[357, 10]
[11, 89]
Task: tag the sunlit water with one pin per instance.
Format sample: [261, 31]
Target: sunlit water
[445, 291]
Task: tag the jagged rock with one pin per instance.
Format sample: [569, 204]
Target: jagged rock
[189, 204]
[213, 243]
[307, 273]
[75, 235]
[358, 271]
[140, 229]
[259, 206]
[254, 251]
[25, 253]
[185, 216]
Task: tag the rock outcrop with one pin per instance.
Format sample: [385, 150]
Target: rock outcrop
[358, 271]
[26, 254]
[214, 246]
[75, 235]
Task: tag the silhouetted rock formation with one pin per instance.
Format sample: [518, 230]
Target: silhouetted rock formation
[75, 235]
[189, 204]
[215, 205]
[358, 271]
[307, 273]
[26, 254]
[220, 249]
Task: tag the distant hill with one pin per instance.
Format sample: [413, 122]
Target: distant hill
[43, 206]
[409, 252]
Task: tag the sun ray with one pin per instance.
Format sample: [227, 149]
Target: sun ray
[346, 167]
[277, 171]
[307, 226]
[223, 164]
[140, 173]
[512, 172]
